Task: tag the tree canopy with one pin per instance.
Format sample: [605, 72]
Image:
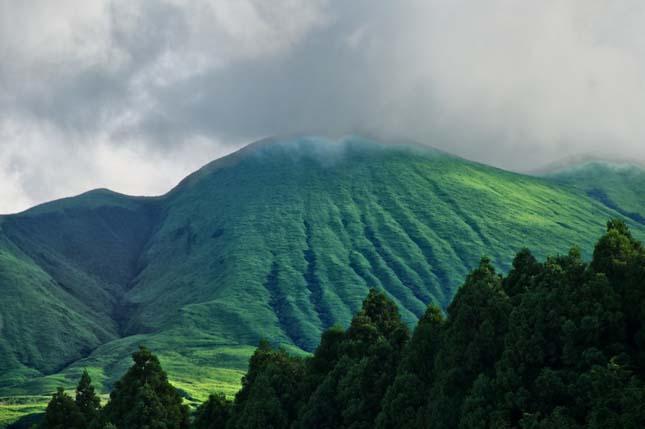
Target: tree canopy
[143, 398]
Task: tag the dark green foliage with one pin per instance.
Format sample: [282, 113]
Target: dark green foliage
[378, 318]
[322, 408]
[371, 351]
[473, 340]
[570, 323]
[144, 399]
[411, 387]
[341, 385]
[568, 358]
[86, 400]
[556, 344]
[62, 413]
[325, 358]
[622, 259]
[262, 408]
[214, 413]
[270, 390]
[518, 281]
[615, 251]
[615, 396]
[634, 310]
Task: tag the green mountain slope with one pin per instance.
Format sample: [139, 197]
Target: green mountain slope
[279, 240]
[618, 186]
[63, 268]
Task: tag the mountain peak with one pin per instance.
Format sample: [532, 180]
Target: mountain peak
[323, 147]
[326, 151]
[281, 239]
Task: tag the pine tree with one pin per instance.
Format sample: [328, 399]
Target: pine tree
[263, 409]
[322, 408]
[147, 410]
[520, 278]
[473, 339]
[622, 259]
[214, 413]
[324, 359]
[144, 398]
[614, 251]
[86, 400]
[62, 413]
[566, 326]
[414, 377]
[350, 394]
[616, 398]
[271, 390]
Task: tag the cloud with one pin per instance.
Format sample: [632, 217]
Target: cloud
[131, 165]
[89, 90]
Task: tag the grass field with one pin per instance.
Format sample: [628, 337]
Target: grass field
[12, 408]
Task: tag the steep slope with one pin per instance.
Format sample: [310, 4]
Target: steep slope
[279, 240]
[64, 267]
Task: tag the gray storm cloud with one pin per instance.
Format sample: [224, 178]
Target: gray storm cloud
[135, 94]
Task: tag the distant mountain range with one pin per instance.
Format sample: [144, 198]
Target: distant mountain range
[582, 160]
[279, 240]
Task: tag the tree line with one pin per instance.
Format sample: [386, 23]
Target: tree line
[553, 344]
[142, 399]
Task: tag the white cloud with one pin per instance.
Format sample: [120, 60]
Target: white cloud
[73, 167]
[12, 196]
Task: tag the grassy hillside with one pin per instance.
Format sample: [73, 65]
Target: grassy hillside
[618, 186]
[279, 240]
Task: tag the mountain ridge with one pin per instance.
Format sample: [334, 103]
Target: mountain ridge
[578, 161]
[277, 240]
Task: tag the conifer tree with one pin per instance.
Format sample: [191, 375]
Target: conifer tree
[271, 390]
[411, 387]
[350, 395]
[622, 259]
[520, 278]
[614, 252]
[473, 339]
[214, 413]
[263, 409]
[144, 399]
[564, 331]
[62, 413]
[86, 400]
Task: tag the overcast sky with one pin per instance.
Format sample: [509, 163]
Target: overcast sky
[135, 94]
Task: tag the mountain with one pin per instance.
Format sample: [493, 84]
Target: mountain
[617, 185]
[279, 240]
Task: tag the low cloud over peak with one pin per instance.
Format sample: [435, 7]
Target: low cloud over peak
[135, 94]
